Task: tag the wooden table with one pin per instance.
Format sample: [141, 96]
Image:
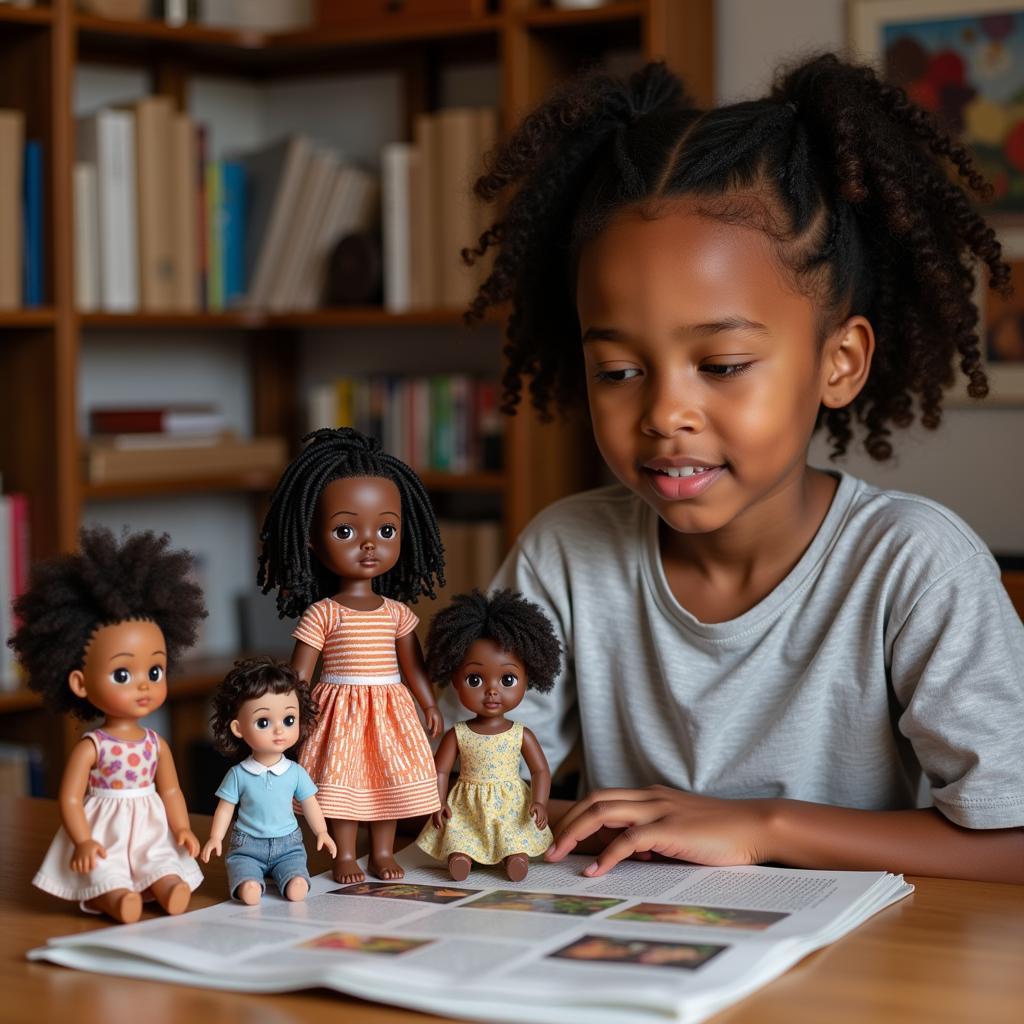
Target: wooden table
[954, 951]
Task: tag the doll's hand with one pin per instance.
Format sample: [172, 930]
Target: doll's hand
[83, 860]
[539, 812]
[324, 839]
[665, 821]
[187, 838]
[440, 817]
[213, 846]
[435, 722]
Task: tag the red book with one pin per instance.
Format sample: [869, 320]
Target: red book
[179, 419]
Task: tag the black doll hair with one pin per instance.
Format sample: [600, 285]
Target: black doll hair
[851, 181]
[251, 678]
[286, 561]
[106, 582]
[506, 617]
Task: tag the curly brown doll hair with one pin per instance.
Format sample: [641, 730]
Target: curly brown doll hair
[864, 195]
[251, 678]
[106, 582]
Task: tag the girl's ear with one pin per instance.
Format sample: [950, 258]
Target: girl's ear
[846, 362]
[235, 728]
[76, 683]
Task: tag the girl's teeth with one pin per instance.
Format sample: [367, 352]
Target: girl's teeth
[685, 470]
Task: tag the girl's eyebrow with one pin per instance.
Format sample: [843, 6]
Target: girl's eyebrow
[712, 327]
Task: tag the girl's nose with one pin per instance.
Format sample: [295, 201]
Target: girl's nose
[670, 408]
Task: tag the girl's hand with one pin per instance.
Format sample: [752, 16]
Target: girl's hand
[539, 812]
[324, 839]
[187, 838]
[701, 829]
[435, 721]
[83, 860]
[438, 818]
[213, 846]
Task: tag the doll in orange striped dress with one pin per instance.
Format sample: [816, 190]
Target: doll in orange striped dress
[350, 536]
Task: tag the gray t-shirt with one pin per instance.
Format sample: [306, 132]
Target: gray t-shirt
[890, 648]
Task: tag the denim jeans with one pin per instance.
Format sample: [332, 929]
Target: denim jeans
[251, 858]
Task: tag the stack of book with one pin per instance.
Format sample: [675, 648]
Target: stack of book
[446, 422]
[21, 213]
[428, 210]
[177, 442]
[14, 563]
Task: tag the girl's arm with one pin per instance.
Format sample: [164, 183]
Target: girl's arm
[540, 777]
[795, 833]
[73, 786]
[315, 817]
[410, 658]
[218, 829]
[174, 801]
[444, 761]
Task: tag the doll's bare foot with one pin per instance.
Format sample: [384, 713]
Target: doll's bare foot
[459, 866]
[249, 893]
[172, 893]
[385, 867]
[347, 871]
[121, 904]
[516, 866]
[296, 890]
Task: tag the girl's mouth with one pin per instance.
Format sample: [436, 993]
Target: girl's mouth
[681, 482]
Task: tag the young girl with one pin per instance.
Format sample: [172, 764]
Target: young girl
[763, 659]
[350, 534]
[492, 650]
[99, 630]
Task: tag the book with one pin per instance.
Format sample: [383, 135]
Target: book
[214, 238]
[458, 140]
[648, 942]
[154, 169]
[232, 231]
[87, 238]
[172, 419]
[397, 162]
[12, 142]
[33, 226]
[184, 214]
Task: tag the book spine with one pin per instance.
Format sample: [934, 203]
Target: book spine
[12, 134]
[119, 234]
[87, 241]
[202, 233]
[233, 224]
[184, 220]
[395, 165]
[215, 268]
[33, 230]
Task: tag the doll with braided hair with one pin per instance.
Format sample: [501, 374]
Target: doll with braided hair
[350, 536]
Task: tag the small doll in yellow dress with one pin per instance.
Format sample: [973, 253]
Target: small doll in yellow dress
[492, 649]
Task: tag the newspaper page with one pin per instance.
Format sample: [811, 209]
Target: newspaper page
[649, 940]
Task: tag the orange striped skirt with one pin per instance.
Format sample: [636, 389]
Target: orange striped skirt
[368, 753]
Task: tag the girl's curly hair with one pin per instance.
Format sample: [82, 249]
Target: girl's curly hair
[513, 623]
[251, 678]
[106, 582]
[864, 195]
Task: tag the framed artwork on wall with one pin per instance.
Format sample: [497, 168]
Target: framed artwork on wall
[1001, 327]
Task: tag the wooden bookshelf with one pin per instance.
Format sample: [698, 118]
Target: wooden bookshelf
[530, 45]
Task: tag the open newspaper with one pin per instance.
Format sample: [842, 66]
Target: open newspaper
[649, 941]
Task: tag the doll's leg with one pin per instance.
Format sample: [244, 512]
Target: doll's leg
[172, 893]
[516, 866]
[382, 850]
[121, 904]
[459, 866]
[346, 867]
[250, 893]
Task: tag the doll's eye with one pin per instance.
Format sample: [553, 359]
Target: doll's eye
[156, 673]
[289, 720]
[508, 679]
[474, 679]
[121, 676]
[262, 723]
[387, 531]
[343, 532]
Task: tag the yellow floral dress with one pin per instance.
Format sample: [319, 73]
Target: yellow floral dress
[490, 803]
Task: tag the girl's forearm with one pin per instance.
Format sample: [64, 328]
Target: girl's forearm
[915, 842]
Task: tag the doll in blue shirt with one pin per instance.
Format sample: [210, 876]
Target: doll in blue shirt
[263, 706]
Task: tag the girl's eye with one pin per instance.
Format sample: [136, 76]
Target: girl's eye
[262, 723]
[289, 721]
[474, 680]
[387, 531]
[343, 532]
[508, 679]
[725, 370]
[156, 673]
[615, 376]
[121, 676]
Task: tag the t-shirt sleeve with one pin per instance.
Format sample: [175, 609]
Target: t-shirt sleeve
[313, 626]
[228, 789]
[406, 619]
[958, 674]
[305, 787]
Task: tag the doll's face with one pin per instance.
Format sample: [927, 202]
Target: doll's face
[125, 669]
[357, 527]
[490, 681]
[268, 724]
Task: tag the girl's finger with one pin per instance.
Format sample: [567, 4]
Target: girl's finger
[637, 840]
[599, 796]
[604, 814]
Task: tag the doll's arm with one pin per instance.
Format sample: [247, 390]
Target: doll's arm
[304, 660]
[73, 786]
[218, 829]
[540, 777]
[410, 658]
[444, 761]
[315, 817]
[174, 800]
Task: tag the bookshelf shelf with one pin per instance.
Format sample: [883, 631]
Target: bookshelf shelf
[257, 482]
[22, 699]
[26, 15]
[17, 318]
[615, 13]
